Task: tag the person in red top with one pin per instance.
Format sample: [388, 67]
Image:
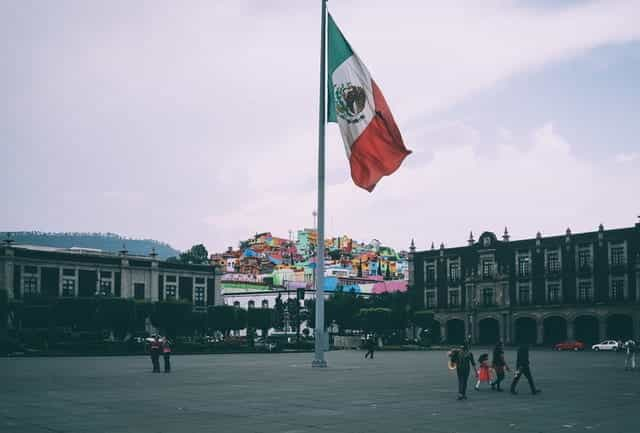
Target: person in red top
[166, 353]
[484, 372]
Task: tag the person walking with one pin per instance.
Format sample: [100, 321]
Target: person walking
[166, 353]
[371, 347]
[154, 351]
[463, 361]
[630, 352]
[499, 365]
[523, 368]
[484, 371]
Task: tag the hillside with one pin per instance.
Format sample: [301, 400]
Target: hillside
[103, 241]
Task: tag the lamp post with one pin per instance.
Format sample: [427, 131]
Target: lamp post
[471, 317]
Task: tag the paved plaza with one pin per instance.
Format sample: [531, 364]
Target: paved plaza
[395, 392]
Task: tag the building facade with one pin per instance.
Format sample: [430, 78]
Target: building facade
[583, 286]
[56, 272]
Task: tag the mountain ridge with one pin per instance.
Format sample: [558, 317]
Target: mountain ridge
[111, 242]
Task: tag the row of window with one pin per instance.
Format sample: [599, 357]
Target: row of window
[252, 304]
[617, 257]
[585, 294]
[105, 284]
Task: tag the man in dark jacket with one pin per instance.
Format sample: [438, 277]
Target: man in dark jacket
[499, 365]
[464, 361]
[522, 367]
[154, 352]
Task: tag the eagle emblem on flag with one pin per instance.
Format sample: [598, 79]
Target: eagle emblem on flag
[350, 101]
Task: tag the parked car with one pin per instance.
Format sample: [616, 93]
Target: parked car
[606, 345]
[569, 345]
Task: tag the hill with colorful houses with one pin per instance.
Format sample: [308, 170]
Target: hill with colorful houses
[268, 263]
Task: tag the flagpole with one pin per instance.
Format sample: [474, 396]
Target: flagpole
[319, 331]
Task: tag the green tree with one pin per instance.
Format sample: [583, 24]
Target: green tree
[343, 308]
[173, 317]
[260, 318]
[37, 312]
[115, 315]
[399, 304]
[195, 324]
[239, 319]
[278, 313]
[144, 310]
[376, 320]
[424, 319]
[197, 255]
[293, 308]
[221, 318]
[310, 306]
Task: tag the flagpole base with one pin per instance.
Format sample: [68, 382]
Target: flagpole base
[319, 363]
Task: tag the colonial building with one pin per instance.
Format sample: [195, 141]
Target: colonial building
[56, 272]
[583, 286]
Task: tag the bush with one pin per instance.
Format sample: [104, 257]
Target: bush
[75, 313]
[172, 317]
[260, 318]
[9, 345]
[115, 315]
[377, 320]
[144, 310]
[34, 339]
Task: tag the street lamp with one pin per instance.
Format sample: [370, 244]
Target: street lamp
[472, 314]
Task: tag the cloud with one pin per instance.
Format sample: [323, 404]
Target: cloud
[627, 157]
[539, 184]
[209, 109]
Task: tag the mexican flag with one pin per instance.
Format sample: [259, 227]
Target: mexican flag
[371, 137]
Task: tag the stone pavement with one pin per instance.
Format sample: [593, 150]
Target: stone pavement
[395, 392]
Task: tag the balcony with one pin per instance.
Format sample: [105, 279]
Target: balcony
[486, 276]
[585, 269]
[454, 280]
[554, 300]
[552, 271]
[618, 267]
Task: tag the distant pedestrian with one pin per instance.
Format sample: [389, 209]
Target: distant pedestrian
[630, 349]
[166, 353]
[499, 365]
[523, 368]
[154, 352]
[370, 345]
[484, 371]
[463, 360]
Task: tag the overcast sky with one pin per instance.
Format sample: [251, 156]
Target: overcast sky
[191, 122]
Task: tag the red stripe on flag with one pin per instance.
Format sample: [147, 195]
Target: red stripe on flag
[379, 151]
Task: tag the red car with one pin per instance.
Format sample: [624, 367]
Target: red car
[569, 345]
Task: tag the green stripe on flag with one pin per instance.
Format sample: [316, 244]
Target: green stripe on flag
[339, 50]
